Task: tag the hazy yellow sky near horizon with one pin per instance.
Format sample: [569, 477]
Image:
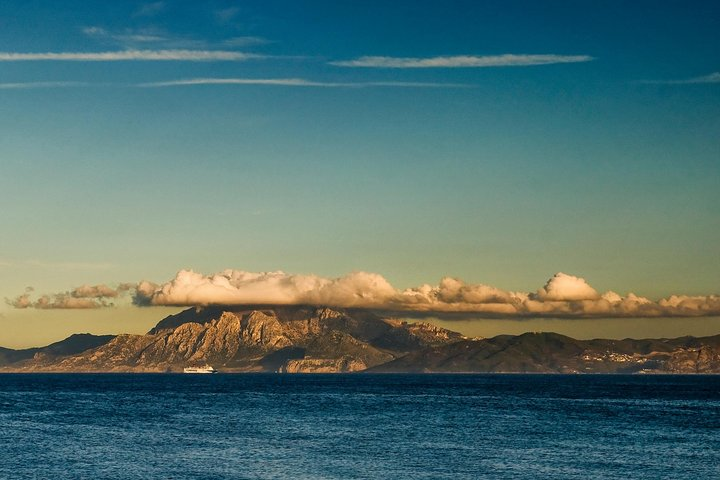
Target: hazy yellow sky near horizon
[33, 328]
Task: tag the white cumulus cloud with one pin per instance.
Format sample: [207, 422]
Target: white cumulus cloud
[562, 296]
[563, 287]
[234, 287]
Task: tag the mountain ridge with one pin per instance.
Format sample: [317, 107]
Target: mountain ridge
[251, 338]
[311, 339]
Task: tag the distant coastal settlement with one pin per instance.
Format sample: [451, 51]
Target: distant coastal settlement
[292, 339]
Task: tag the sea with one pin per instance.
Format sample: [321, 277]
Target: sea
[364, 426]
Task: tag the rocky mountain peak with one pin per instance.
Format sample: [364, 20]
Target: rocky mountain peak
[256, 338]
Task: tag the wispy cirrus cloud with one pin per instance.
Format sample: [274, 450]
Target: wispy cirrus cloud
[31, 85]
[710, 78]
[149, 9]
[69, 265]
[297, 82]
[158, 38]
[132, 55]
[225, 15]
[461, 61]
[56, 265]
[151, 38]
[281, 82]
[125, 36]
[246, 41]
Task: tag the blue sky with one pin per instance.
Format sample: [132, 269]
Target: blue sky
[603, 162]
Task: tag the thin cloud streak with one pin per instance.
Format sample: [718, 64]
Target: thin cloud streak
[461, 61]
[132, 55]
[149, 9]
[286, 82]
[55, 265]
[297, 82]
[246, 41]
[66, 265]
[128, 36]
[711, 78]
[227, 14]
[151, 38]
[30, 85]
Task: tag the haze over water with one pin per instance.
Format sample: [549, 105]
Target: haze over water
[67, 426]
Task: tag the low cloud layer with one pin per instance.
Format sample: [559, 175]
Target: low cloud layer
[562, 296]
[461, 61]
[82, 297]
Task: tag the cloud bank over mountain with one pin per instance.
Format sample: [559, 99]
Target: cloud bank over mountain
[562, 296]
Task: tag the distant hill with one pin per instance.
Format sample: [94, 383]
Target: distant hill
[554, 353]
[72, 345]
[306, 339]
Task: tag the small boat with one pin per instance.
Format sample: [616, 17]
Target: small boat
[205, 369]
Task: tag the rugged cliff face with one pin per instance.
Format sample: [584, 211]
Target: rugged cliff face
[705, 359]
[291, 339]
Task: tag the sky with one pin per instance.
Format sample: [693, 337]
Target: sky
[496, 142]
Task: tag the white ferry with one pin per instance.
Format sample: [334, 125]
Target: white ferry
[205, 369]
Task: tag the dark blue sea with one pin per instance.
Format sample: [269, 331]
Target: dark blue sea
[70, 426]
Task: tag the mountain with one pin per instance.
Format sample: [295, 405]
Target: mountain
[72, 345]
[250, 339]
[554, 353]
[306, 339]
